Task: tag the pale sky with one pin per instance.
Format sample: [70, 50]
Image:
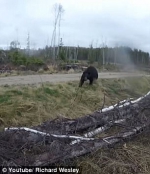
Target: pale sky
[114, 22]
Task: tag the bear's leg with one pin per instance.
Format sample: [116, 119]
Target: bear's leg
[91, 81]
[81, 83]
[84, 78]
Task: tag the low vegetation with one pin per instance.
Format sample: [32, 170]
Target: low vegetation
[32, 105]
[20, 59]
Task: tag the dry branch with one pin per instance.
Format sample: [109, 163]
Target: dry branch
[98, 130]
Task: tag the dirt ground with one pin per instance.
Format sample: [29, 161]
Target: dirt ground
[55, 78]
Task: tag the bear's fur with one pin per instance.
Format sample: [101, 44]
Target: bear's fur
[90, 74]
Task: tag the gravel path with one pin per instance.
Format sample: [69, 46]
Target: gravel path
[56, 78]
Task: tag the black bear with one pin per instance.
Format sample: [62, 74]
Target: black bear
[90, 74]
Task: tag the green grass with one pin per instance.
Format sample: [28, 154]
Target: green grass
[21, 105]
[51, 92]
[16, 92]
[4, 98]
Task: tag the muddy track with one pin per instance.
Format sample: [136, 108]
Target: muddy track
[57, 78]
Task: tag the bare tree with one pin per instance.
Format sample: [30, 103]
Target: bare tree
[60, 15]
[28, 44]
[76, 53]
[58, 9]
[115, 57]
[104, 59]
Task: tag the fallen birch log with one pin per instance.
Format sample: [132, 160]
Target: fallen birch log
[41, 135]
[70, 152]
[47, 134]
[28, 146]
